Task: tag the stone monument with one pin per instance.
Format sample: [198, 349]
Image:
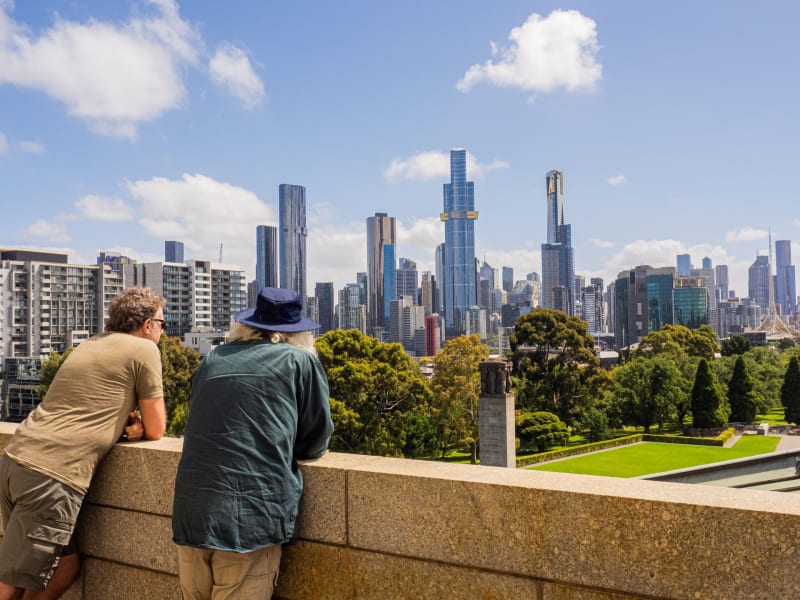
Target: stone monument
[496, 414]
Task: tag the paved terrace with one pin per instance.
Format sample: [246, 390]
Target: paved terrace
[389, 528]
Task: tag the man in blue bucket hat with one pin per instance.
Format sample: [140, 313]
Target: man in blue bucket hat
[259, 404]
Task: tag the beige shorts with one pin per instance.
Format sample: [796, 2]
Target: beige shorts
[250, 575]
[39, 515]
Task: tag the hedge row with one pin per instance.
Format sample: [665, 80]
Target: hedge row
[720, 440]
[697, 441]
[576, 450]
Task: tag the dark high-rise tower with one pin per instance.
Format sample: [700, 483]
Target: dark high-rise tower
[381, 231]
[324, 294]
[266, 256]
[293, 233]
[558, 262]
[459, 215]
[173, 251]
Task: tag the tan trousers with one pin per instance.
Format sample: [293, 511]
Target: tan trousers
[220, 575]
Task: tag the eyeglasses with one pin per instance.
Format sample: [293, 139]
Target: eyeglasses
[159, 321]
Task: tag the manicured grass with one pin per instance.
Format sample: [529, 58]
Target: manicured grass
[654, 457]
[773, 417]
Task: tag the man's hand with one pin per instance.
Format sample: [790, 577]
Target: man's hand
[134, 430]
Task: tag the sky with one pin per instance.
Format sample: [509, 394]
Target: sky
[125, 124]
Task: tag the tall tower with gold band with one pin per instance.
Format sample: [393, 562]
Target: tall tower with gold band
[459, 215]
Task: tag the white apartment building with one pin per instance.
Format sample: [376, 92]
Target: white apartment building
[47, 304]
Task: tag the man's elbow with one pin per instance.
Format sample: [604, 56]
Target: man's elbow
[155, 434]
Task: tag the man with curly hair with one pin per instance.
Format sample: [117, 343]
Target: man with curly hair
[259, 404]
[46, 469]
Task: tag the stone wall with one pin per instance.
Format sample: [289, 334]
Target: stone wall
[388, 528]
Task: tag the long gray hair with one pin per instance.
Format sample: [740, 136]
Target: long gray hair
[244, 333]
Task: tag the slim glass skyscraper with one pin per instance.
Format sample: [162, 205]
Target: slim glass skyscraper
[324, 294]
[381, 230]
[758, 281]
[786, 293]
[266, 256]
[293, 233]
[558, 260]
[459, 215]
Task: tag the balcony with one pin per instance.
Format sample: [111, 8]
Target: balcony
[388, 528]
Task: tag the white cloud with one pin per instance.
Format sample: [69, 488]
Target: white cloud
[521, 261]
[602, 243]
[100, 208]
[543, 54]
[53, 233]
[203, 213]
[31, 147]
[434, 164]
[113, 76]
[230, 68]
[3, 144]
[746, 234]
[616, 180]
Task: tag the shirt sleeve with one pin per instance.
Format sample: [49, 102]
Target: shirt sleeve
[314, 425]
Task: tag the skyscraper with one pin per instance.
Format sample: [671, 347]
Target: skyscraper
[389, 280]
[758, 281]
[381, 230]
[459, 217]
[407, 279]
[266, 256]
[558, 261]
[684, 265]
[293, 233]
[173, 251]
[324, 294]
[508, 279]
[721, 279]
[786, 293]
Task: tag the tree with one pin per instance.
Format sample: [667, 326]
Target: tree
[456, 386]
[767, 369]
[708, 404]
[741, 396]
[372, 388]
[178, 364]
[554, 359]
[700, 342]
[539, 431]
[595, 424]
[785, 343]
[648, 388]
[734, 345]
[790, 392]
[50, 367]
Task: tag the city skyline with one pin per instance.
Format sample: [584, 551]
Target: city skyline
[192, 141]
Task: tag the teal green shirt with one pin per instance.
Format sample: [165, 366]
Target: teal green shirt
[256, 408]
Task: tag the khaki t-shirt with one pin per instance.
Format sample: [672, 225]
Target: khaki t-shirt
[86, 407]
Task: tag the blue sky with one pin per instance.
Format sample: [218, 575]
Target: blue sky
[124, 124]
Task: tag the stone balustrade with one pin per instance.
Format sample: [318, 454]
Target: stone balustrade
[389, 528]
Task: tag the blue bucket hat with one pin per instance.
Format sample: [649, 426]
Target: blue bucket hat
[277, 309]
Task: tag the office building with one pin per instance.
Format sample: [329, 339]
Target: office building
[459, 215]
[351, 313]
[292, 237]
[691, 300]
[660, 300]
[786, 292]
[508, 279]
[558, 261]
[266, 256]
[173, 251]
[721, 281]
[381, 231]
[759, 280]
[324, 295]
[684, 265]
[407, 279]
[430, 293]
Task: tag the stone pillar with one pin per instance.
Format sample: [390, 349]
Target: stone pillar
[496, 415]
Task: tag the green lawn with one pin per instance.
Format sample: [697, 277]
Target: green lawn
[773, 417]
[655, 457]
